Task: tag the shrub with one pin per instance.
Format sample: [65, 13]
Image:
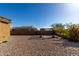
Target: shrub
[60, 30]
[74, 34]
[64, 33]
[71, 32]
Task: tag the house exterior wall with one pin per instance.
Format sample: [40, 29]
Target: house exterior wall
[4, 31]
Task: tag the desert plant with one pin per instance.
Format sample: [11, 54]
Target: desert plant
[74, 32]
[61, 30]
[71, 32]
[58, 28]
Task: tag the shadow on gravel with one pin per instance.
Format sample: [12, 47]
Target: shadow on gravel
[71, 44]
[4, 41]
[56, 38]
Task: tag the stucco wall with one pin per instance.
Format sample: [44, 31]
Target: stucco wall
[4, 31]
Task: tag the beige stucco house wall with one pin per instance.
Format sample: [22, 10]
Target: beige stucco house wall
[4, 29]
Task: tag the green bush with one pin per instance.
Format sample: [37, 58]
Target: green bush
[74, 34]
[65, 34]
[60, 30]
[71, 32]
[62, 33]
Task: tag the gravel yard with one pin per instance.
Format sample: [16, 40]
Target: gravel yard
[35, 46]
[71, 48]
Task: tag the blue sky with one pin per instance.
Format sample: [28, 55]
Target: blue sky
[39, 15]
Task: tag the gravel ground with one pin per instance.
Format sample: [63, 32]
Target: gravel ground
[71, 48]
[32, 46]
[35, 46]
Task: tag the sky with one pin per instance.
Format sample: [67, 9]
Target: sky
[39, 15]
